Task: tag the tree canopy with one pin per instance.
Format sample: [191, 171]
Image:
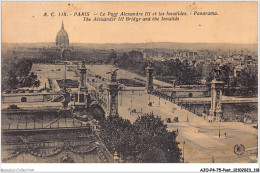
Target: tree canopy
[15, 73]
[147, 140]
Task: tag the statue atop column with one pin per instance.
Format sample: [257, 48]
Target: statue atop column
[113, 75]
[83, 64]
[217, 73]
[150, 63]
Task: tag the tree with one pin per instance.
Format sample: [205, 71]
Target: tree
[112, 56]
[147, 140]
[247, 83]
[155, 143]
[16, 74]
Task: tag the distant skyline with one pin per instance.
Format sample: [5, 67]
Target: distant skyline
[53, 42]
[237, 23]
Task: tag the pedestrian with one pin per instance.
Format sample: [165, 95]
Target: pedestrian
[225, 134]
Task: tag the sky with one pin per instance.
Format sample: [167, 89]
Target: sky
[236, 22]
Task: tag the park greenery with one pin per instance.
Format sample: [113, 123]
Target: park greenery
[182, 72]
[245, 84]
[146, 140]
[16, 74]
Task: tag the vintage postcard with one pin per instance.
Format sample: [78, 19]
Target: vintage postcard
[130, 82]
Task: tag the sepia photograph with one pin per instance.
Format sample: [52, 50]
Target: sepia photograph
[129, 82]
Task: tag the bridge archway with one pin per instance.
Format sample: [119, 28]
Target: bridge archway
[190, 95]
[23, 99]
[97, 111]
[173, 94]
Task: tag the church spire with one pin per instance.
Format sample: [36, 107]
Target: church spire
[62, 25]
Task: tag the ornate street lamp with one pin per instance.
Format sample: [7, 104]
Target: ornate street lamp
[183, 150]
[219, 129]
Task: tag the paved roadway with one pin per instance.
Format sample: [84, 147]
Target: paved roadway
[202, 146]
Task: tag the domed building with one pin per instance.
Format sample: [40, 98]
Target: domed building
[62, 38]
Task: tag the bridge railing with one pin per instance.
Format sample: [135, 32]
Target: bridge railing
[184, 105]
[164, 96]
[99, 98]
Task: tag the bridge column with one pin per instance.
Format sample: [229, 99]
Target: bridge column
[112, 88]
[83, 91]
[216, 100]
[149, 80]
[83, 71]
